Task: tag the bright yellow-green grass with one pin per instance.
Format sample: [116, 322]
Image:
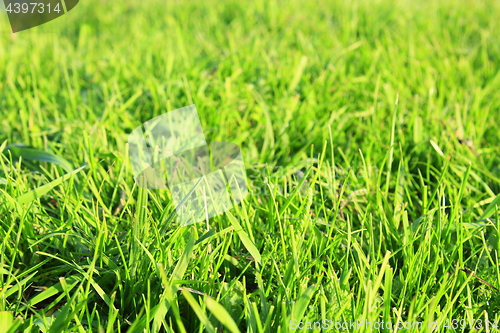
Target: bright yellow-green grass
[370, 135]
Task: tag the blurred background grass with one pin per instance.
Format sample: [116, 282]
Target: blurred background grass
[286, 67]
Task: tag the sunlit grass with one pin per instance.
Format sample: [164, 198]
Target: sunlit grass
[369, 130]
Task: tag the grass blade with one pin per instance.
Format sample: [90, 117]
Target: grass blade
[221, 314]
[39, 155]
[38, 192]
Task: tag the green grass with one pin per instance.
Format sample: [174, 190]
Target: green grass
[370, 134]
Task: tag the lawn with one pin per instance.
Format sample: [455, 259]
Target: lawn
[369, 132]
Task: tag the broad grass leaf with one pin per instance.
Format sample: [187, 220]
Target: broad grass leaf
[8, 324]
[42, 190]
[247, 242]
[71, 282]
[221, 314]
[39, 155]
[491, 208]
[200, 313]
[300, 306]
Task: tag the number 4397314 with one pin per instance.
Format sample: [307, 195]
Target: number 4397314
[32, 7]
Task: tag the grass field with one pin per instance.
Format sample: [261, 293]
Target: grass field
[369, 131]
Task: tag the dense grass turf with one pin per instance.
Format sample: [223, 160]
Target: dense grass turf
[370, 135]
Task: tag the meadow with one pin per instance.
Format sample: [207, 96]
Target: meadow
[369, 131]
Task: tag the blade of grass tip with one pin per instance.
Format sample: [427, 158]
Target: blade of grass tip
[290, 197]
[221, 314]
[2, 146]
[387, 293]
[6, 293]
[71, 282]
[399, 195]
[456, 207]
[391, 149]
[112, 315]
[8, 323]
[298, 74]
[269, 140]
[300, 306]
[165, 221]
[77, 319]
[97, 288]
[439, 182]
[63, 319]
[6, 320]
[170, 288]
[206, 235]
[491, 208]
[130, 101]
[255, 318]
[38, 192]
[138, 229]
[160, 310]
[378, 281]
[18, 286]
[202, 316]
[436, 148]
[270, 317]
[247, 242]
[182, 264]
